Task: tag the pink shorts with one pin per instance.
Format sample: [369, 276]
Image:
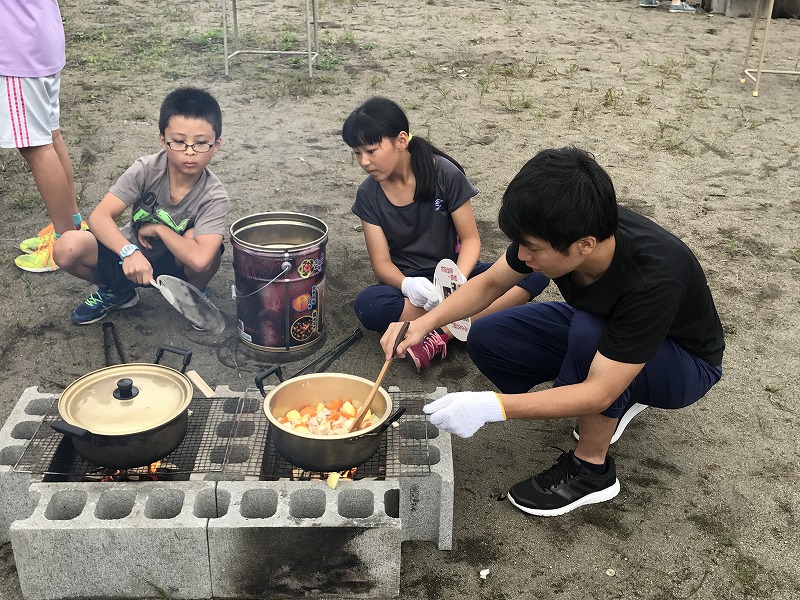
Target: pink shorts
[29, 110]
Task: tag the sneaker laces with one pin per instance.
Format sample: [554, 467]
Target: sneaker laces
[47, 245]
[95, 298]
[563, 469]
[433, 343]
[47, 231]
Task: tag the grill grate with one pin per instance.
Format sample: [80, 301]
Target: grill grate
[231, 436]
[52, 455]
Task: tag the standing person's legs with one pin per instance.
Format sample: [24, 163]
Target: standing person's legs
[33, 111]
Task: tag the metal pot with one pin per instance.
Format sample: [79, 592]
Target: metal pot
[325, 453]
[127, 415]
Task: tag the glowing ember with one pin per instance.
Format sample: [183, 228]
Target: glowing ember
[301, 475]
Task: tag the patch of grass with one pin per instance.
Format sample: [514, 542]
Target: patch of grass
[670, 69]
[27, 198]
[30, 289]
[611, 98]
[669, 139]
[516, 102]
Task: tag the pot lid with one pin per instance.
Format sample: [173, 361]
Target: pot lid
[125, 399]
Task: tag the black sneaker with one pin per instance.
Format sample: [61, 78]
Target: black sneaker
[101, 302]
[631, 410]
[564, 486]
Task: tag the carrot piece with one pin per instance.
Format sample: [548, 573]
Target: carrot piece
[308, 410]
[335, 405]
[283, 420]
[334, 415]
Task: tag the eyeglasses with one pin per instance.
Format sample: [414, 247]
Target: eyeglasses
[199, 147]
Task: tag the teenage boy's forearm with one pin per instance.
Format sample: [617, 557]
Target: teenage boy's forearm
[469, 299]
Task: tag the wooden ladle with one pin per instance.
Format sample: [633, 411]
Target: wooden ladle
[365, 407]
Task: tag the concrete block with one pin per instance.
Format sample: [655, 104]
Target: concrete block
[283, 539]
[426, 503]
[128, 540]
[20, 427]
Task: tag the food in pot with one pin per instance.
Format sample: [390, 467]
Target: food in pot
[333, 418]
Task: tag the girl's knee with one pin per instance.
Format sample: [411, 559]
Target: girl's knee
[369, 317]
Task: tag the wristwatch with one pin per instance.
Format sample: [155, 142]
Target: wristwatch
[127, 250]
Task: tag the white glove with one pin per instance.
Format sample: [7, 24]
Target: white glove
[463, 413]
[431, 304]
[419, 291]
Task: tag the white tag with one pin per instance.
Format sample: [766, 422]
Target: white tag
[448, 278]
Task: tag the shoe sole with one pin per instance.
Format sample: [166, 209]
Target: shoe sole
[128, 304]
[39, 270]
[415, 360]
[623, 422]
[593, 498]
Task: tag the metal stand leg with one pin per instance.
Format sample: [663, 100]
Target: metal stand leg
[760, 69]
[225, 33]
[312, 43]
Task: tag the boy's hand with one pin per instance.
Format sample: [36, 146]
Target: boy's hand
[137, 268]
[147, 232]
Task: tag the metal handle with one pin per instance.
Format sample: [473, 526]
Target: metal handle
[285, 265]
[384, 426]
[264, 374]
[187, 355]
[70, 430]
[324, 361]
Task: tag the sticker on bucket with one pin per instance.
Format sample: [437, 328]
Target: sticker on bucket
[279, 268]
[448, 278]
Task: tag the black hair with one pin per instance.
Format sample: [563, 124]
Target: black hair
[380, 118]
[192, 103]
[559, 196]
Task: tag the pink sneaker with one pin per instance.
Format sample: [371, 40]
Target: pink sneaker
[434, 343]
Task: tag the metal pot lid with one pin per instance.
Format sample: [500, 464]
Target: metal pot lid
[125, 399]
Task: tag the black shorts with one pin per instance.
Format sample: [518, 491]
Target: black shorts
[110, 274]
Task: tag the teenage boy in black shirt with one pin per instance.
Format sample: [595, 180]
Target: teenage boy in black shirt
[638, 327]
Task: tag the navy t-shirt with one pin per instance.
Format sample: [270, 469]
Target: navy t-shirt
[654, 288]
[421, 233]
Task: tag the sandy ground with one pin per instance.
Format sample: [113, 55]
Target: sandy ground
[709, 506]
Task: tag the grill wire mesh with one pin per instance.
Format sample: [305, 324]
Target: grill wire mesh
[230, 436]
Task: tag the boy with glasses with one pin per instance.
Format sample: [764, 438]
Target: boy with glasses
[178, 211]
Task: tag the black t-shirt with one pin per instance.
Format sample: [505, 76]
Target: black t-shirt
[654, 288]
[421, 233]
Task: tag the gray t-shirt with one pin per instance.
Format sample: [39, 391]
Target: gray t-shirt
[204, 207]
[421, 233]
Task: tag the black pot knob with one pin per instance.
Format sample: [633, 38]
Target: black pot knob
[125, 389]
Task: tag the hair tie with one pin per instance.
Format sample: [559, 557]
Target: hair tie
[409, 138]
